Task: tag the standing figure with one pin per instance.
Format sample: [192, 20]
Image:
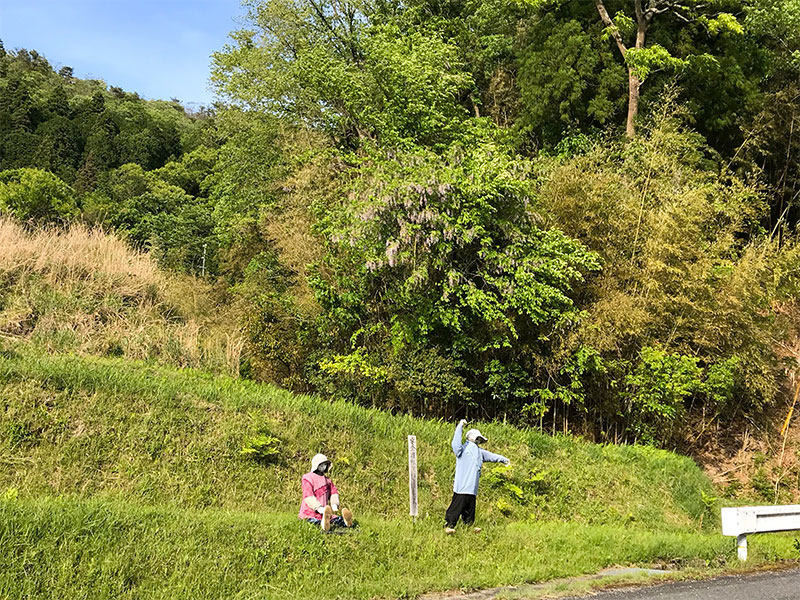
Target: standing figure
[469, 459]
[321, 498]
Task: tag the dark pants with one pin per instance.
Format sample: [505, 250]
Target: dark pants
[463, 506]
[336, 521]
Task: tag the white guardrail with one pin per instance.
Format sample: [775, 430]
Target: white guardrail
[744, 520]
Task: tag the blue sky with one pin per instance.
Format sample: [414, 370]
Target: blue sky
[158, 48]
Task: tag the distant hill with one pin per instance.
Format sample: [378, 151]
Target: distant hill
[80, 128]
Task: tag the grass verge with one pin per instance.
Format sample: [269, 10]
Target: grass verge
[112, 549]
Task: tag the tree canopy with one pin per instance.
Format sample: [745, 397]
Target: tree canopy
[568, 213]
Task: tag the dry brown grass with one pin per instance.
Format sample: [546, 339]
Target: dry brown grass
[84, 290]
[78, 253]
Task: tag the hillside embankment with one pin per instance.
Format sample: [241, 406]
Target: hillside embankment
[126, 473]
[124, 479]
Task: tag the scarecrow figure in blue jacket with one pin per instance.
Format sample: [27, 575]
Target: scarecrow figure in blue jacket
[469, 459]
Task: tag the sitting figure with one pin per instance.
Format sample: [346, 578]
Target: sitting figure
[321, 498]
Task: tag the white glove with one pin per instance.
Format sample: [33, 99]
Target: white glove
[508, 463]
[321, 510]
[462, 422]
[335, 507]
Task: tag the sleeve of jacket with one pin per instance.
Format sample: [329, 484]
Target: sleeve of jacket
[308, 495]
[458, 447]
[492, 457]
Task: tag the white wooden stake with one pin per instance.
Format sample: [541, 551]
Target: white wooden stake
[412, 476]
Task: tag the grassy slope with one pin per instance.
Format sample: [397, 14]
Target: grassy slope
[123, 480]
[157, 435]
[85, 291]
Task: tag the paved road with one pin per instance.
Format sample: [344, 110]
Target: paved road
[783, 585]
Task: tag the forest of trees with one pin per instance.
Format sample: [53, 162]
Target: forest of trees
[569, 214]
[77, 149]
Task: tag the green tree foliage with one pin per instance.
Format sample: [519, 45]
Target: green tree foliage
[356, 81]
[101, 141]
[486, 33]
[245, 181]
[689, 277]
[146, 137]
[438, 260]
[458, 267]
[59, 149]
[426, 190]
[36, 196]
[566, 81]
[155, 214]
[630, 32]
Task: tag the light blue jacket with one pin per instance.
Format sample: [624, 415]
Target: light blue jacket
[469, 459]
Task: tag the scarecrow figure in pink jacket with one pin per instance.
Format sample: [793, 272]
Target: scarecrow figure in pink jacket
[321, 498]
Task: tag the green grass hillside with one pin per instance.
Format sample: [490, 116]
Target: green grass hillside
[123, 479]
[160, 436]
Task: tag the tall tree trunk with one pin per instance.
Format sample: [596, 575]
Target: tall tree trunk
[634, 83]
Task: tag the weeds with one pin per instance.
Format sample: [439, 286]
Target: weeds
[262, 448]
[83, 290]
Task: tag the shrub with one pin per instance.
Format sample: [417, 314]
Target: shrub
[38, 196]
[438, 264]
[263, 448]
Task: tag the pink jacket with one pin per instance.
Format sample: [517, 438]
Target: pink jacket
[318, 486]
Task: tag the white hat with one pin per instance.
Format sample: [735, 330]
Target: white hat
[475, 436]
[317, 461]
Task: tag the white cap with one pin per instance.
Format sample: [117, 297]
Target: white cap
[475, 436]
[317, 461]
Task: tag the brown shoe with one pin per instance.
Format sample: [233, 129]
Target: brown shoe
[449, 530]
[347, 516]
[326, 519]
